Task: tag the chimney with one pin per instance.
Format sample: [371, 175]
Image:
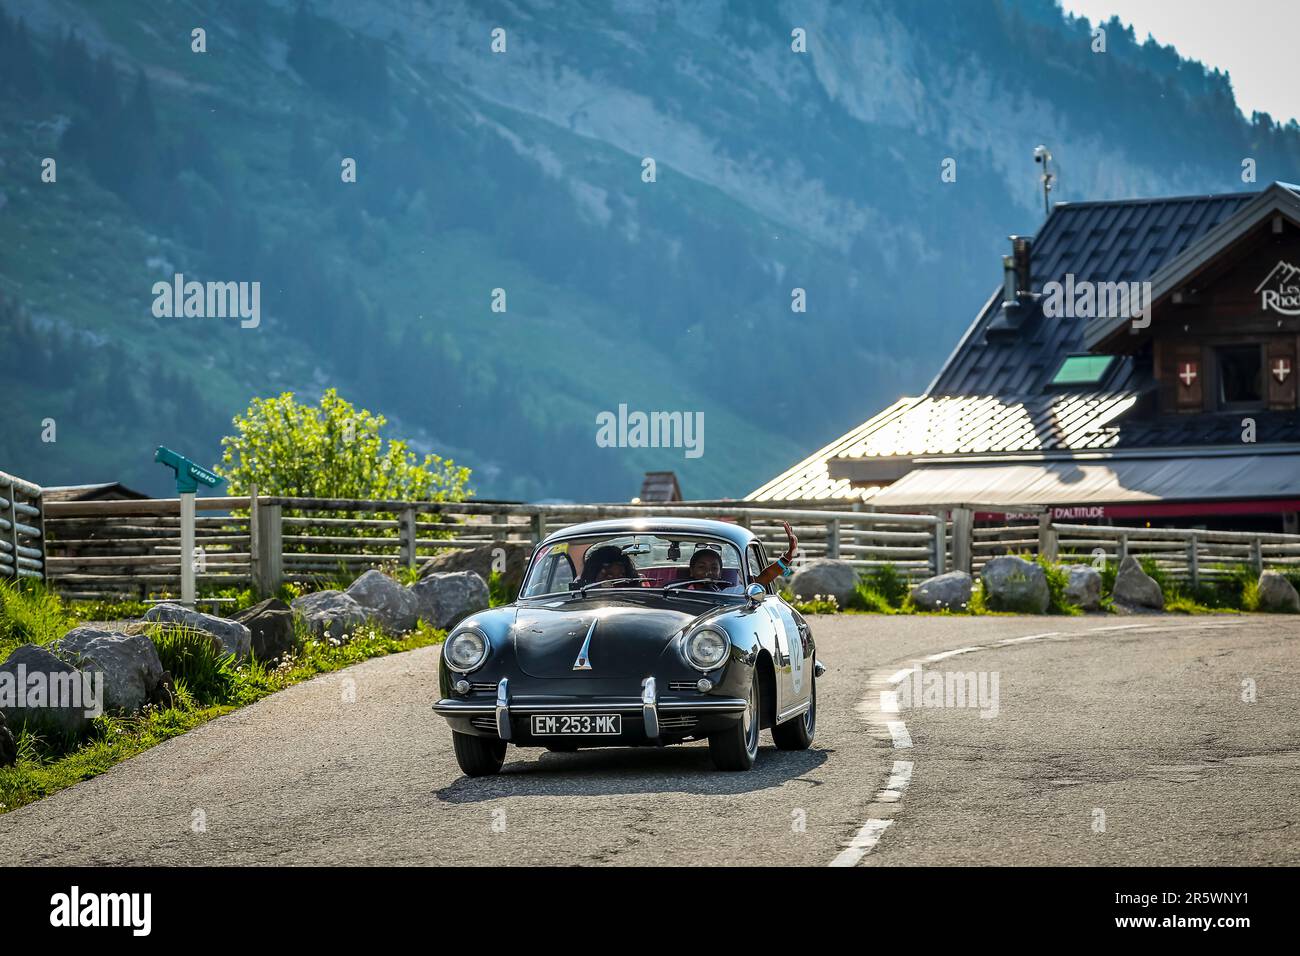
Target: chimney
[1009, 279]
[1021, 249]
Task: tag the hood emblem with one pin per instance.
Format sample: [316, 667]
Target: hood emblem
[583, 662]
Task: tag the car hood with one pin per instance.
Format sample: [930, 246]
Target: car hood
[629, 637]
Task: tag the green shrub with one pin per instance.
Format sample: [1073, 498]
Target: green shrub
[29, 614]
[866, 598]
[498, 596]
[891, 584]
[197, 660]
[1058, 579]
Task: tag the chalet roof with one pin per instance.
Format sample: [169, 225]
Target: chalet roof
[105, 491]
[660, 486]
[993, 394]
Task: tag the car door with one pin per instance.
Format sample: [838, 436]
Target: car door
[793, 673]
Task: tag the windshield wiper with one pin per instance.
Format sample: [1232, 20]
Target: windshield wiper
[596, 584]
[683, 584]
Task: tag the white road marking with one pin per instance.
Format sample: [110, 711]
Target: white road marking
[888, 702]
[1118, 627]
[900, 676]
[960, 650]
[898, 781]
[862, 842]
[1029, 637]
[898, 730]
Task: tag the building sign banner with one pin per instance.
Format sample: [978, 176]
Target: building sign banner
[1280, 290]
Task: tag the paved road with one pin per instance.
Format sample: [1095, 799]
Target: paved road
[1116, 740]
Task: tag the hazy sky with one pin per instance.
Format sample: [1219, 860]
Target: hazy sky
[1256, 41]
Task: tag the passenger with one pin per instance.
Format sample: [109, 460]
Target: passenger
[706, 563]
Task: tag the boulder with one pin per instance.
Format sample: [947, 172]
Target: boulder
[330, 614]
[943, 592]
[48, 695]
[445, 599]
[825, 576]
[1015, 584]
[270, 625]
[393, 605]
[8, 746]
[1084, 587]
[1277, 594]
[234, 637]
[1134, 588]
[507, 557]
[129, 662]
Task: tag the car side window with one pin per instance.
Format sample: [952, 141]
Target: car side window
[755, 560]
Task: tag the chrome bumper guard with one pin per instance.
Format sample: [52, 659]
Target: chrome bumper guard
[648, 706]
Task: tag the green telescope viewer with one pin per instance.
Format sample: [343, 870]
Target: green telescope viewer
[188, 474]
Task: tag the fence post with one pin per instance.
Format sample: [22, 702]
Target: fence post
[833, 538]
[940, 544]
[1046, 537]
[1121, 551]
[538, 528]
[253, 556]
[13, 529]
[1257, 555]
[963, 533]
[1193, 562]
[408, 533]
[269, 574]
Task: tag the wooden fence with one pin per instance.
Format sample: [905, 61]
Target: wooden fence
[1184, 554]
[22, 529]
[131, 549]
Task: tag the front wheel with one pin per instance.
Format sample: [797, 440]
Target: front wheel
[736, 747]
[478, 756]
[797, 734]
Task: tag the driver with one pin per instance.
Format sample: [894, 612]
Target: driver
[607, 563]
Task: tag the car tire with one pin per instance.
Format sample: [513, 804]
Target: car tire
[797, 734]
[736, 747]
[478, 756]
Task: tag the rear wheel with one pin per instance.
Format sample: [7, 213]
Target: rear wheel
[736, 747]
[478, 756]
[797, 734]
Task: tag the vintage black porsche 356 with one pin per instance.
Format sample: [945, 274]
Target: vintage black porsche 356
[633, 632]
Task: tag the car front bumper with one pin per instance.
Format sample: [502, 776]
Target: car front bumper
[646, 718]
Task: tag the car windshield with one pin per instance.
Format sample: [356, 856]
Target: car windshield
[612, 561]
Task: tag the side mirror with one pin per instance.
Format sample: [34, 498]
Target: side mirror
[755, 593]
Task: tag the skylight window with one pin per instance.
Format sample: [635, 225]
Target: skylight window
[1083, 370]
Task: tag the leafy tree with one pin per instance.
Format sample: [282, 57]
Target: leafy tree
[330, 451]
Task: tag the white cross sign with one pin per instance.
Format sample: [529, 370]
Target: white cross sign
[1188, 373]
[1281, 370]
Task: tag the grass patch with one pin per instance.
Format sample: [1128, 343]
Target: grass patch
[206, 684]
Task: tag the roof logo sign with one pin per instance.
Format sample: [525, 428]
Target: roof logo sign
[1280, 290]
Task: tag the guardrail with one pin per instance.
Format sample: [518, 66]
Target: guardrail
[22, 529]
[132, 548]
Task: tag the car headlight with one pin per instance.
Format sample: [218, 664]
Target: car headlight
[466, 650]
[706, 648]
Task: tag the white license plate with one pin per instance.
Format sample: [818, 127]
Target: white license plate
[545, 725]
